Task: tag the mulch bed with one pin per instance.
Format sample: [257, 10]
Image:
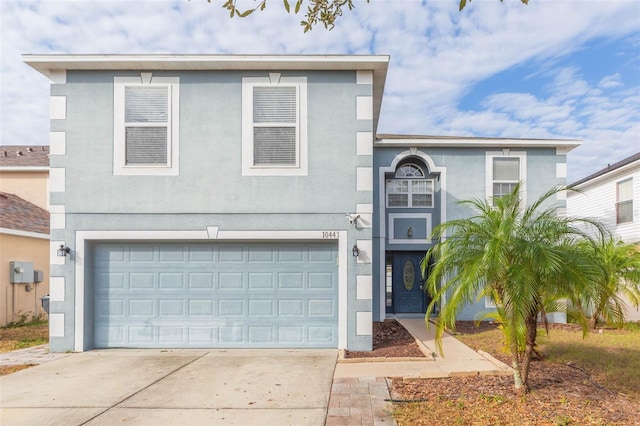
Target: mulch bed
[390, 340]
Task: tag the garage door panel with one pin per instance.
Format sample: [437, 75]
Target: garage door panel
[155, 295]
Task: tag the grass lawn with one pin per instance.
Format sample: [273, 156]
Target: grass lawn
[23, 336]
[590, 381]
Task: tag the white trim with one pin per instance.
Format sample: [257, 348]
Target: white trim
[364, 107]
[57, 76]
[58, 107]
[461, 142]
[248, 168]
[212, 233]
[57, 143]
[56, 325]
[412, 152]
[24, 169]
[364, 323]
[57, 176]
[364, 143]
[57, 217]
[364, 178]
[56, 289]
[505, 153]
[120, 168]
[366, 251]
[561, 170]
[364, 208]
[364, 289]
[561, 195]
[428, 224]
[19, 233]
[364, 77]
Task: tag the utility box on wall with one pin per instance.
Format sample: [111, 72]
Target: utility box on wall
[20, 272]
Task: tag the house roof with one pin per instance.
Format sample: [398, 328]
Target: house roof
[55, 66]
[610, 168]
[24, 156]
[21, 215]
[472, 141]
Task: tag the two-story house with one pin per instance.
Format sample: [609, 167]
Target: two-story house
[246, 201]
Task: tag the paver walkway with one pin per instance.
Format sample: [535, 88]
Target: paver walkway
[359, 401]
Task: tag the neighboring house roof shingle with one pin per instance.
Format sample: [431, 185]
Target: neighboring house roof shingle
[21, 215]
[24, 156]
[608, 169]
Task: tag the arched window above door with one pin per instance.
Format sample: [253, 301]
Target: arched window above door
[410, 170]
[410, 188]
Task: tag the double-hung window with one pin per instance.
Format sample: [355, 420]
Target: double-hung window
[146, 125]
[274, 129]
[504, 170]
[624, 201]
[410, 188]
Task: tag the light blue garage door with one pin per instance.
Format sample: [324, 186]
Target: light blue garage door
[192, 295]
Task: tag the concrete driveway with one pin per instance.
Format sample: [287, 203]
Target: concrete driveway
[152, 387]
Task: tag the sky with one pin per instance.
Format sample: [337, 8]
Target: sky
[551, 69]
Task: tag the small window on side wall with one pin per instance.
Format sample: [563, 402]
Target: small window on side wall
[504, 170]
[624, 201]
[146, 125]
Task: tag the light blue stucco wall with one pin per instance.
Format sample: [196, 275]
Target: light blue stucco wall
[210, 190]
[465, 172]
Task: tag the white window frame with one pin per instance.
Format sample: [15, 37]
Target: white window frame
[506, 153]
[274, 79]
[622, 201]
[410, 193]
[119, 139]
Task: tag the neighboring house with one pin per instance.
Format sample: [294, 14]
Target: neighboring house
[612, 196]
[245, 201]
[24, 231]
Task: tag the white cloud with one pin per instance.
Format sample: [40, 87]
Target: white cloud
[437, 55]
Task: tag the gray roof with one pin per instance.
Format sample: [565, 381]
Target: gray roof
[21, 215]
[24, 156]
[608, 169]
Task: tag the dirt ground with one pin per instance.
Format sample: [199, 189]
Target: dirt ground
[560, 394]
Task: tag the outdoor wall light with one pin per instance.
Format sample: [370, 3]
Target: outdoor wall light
[355, 251]
[410, 232]
[63, 251]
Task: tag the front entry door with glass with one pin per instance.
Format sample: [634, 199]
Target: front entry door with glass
[407, 285]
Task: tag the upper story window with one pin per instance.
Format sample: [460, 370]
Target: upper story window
[146, 111]
[274, 125]
[409, 188]
[504, 170]
[624, 201]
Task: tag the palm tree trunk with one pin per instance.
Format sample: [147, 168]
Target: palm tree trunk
[531, 334]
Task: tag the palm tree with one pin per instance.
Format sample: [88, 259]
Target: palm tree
[618, 275]
[519, 257]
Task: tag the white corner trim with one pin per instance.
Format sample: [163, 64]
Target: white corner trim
[58, 107]
[364, 208]
[57, 176]
[56, 325]
[364, 77]
[56, 289]
[57, 217]
[57, 143]
[80, 255]
[364, 107]
[364, 290]
[364, 323]
[561, 195]
[561, 170]
[54, 259]
[428, 224]
[366, 251]
[364, 178]
[364, 143]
